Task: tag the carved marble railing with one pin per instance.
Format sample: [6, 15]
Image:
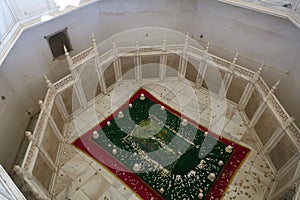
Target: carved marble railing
[37, 136]
[151, 49]
[222, 64]
[125, 50]
[82, 57]
[174, 48]
[184, 51]
[64, 83]
[195, 51]
[286, 121]
[219, 61]
[254, 80]
[262, 86]
[36, 147]
[106, 56]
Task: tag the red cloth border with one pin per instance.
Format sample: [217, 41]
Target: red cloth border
[143, 190]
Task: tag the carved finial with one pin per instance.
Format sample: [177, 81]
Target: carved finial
[27, 133]
[260, 68]
[164, 40]
[68, 57]
[66, 50]
[258, 72]
[18, 170]
[164, 43]
[30, 137]
[186, 42]
[232, 65]
[137, 46]
[48, 82]
[45, 76]
[271, 92]
[40, 102]
[93, 39]
[207, 47]
[275, 86]
[187, 37]
[114, 44]
[235, 57]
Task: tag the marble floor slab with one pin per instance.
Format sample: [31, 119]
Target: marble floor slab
[82, 178]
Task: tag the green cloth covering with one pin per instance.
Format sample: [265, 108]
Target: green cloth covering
[168, 152]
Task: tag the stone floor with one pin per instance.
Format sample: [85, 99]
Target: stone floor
[82, 178]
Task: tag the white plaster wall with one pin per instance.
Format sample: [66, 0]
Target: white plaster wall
[117, 15]
[255, 35]
[26, 8]
[13, 121]
[258, 36]
[30, 57]
[23, 71]
[6, 20]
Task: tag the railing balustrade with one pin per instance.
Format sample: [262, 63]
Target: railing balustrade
[61, 92]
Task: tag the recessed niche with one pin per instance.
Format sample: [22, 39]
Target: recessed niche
[56, 42]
